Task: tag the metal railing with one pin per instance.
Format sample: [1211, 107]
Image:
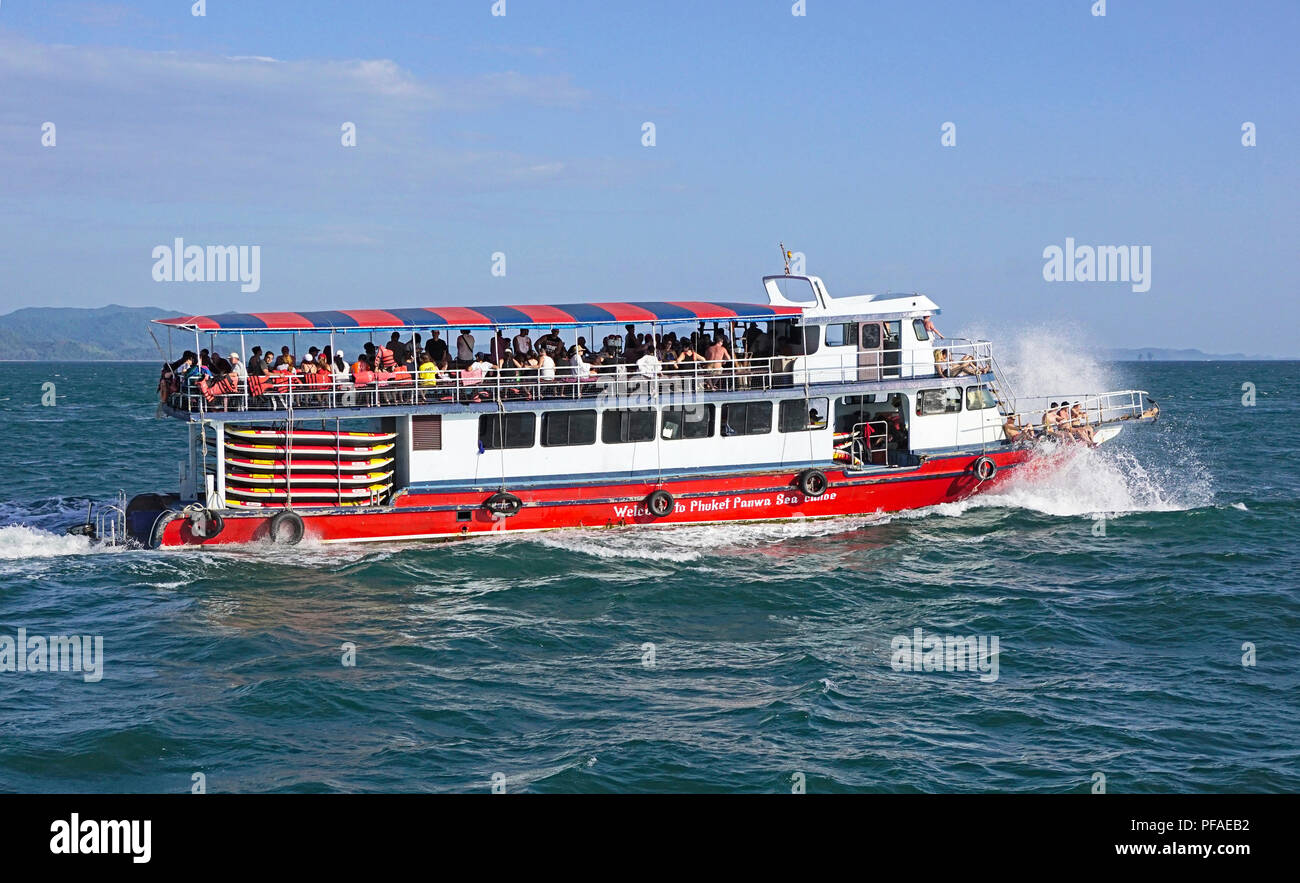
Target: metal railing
[863, 446]
[624, 380]
[1098, 408]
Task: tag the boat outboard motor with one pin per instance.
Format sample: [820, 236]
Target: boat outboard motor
[87, 529]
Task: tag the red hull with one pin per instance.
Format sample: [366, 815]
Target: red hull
[767, 496]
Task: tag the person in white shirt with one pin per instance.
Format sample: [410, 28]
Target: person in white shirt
[237, 367]
[649, 365]
[465, 348]
[546, 365]
[576, 362]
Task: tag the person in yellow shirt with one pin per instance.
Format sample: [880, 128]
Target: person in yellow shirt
[428, 373]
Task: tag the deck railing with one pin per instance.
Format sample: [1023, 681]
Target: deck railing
[622, 382]
[1098, 408]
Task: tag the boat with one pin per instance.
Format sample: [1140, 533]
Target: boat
[816, 406]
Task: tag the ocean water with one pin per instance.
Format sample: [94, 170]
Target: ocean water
[715, 659]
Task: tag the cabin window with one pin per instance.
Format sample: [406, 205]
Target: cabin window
[918, 328]
[693, 422]
[870, 336]
[747, 418]
[938, 401]
[842, 334]
[426, 432]
[801, 415]
[618, 426]
[566, 428]
[979, 397]
[497, 431]
[795, 339]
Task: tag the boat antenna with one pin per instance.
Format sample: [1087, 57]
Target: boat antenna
[785, 256]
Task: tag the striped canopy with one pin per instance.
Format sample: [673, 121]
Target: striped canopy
[560, 315]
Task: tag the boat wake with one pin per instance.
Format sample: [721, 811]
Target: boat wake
[19, 542]
[683, 543]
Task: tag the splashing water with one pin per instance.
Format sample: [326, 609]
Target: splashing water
[18, 541]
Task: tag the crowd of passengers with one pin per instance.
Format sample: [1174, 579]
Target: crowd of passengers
[521, 363]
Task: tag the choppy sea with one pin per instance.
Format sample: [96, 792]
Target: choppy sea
[1145, 602]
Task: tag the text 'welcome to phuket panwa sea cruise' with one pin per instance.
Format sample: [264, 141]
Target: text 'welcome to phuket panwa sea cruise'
[808, 406]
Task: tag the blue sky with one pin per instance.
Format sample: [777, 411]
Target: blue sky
[522, 134]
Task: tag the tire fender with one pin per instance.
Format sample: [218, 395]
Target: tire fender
[812, 482]
[660, 503]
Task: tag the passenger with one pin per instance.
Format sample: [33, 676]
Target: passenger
[464, 349]
[546, 365]
[1079, 422]
[815, 419]
[237, 368]
[385, 360]
[967, 365]
[399, 349]
[941, 362]
[256, 367]
[577, 364]
[929, 326]
[648, 366]
[717, 355]
[1049, 421]
[436, 347]
[629, 340]
[499, 349]
[523, 344]
[427, 372]
[551, 344]
[1016, 431]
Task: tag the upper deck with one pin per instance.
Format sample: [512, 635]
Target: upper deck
[658, 350]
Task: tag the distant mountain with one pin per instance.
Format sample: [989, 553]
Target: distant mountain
[1156, 354]
[76, 334]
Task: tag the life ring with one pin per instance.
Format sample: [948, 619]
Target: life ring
[502, 503]
[984, 468]
[277, 527]
[813, 483]
[660, 503]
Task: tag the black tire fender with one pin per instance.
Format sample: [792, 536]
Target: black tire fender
[503, 503]
[812, 482]
[984, 468]
[286, 528]
[660, 503]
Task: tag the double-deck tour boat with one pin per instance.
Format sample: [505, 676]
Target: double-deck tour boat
[816, 406]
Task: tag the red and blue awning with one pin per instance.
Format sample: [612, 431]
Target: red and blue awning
[560, 315]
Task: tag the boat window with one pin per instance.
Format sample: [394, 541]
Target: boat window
[747, 418]
[842, 334]
[800, 415]
[918, 328]
[795, 339]
[979, 397]
[938, 401]
[795, 289]
[565, 428]
[693, 422]
[870, 336]
[496, 431]
[618, 426]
